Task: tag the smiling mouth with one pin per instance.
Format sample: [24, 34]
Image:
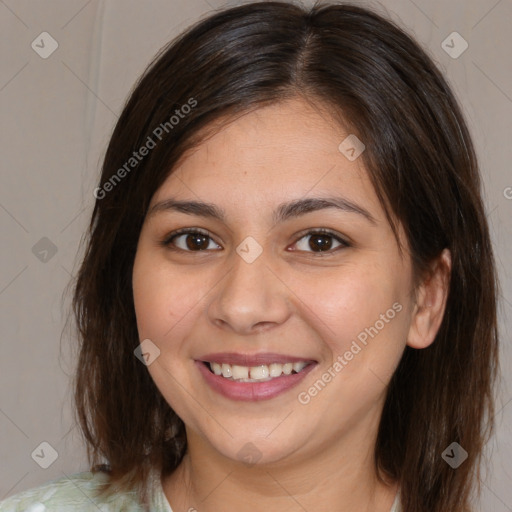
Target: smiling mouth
[260, 373]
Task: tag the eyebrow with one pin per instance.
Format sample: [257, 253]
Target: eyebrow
[282, 213]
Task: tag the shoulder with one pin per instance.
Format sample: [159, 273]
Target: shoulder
[76, 492]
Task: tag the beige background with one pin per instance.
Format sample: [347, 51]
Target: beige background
[57, 114]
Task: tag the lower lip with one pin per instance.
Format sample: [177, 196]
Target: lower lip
[252, 391]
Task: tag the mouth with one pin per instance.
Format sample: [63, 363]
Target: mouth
[253, 377]
[260, 373]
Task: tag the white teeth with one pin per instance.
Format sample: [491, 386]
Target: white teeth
[287, 368]
[226, 370]
[275, 369]
[256, 373]
[259, 372]
[240, 372]
[299, 366]
[216, 368]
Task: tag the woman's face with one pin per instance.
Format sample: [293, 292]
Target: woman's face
[263, 289]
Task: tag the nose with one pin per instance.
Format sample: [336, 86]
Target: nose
[250, 298]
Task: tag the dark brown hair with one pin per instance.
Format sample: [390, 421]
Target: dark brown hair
[419, 156]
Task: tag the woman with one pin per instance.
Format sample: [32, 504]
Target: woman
[288, 295]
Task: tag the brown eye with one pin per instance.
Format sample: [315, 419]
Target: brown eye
[190, 241]
[320, 241]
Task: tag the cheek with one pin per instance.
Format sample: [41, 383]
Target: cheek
[161, 297]
[362, 316]
[349, 300]
[363, 321]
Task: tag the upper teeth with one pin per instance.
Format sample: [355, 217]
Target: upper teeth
[253, 373]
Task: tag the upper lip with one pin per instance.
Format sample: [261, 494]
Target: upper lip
[252, 359]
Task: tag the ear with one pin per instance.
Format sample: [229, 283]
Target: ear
[430, 303]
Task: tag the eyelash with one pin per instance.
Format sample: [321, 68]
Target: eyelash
[167, 241]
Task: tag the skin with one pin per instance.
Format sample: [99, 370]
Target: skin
[293, 299]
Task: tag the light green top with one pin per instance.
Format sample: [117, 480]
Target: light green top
[76, 493]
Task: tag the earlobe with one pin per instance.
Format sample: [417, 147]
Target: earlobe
[430, 303]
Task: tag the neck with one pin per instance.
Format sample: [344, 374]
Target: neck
[339, 476]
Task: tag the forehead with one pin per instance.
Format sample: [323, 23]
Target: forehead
[272, 154]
